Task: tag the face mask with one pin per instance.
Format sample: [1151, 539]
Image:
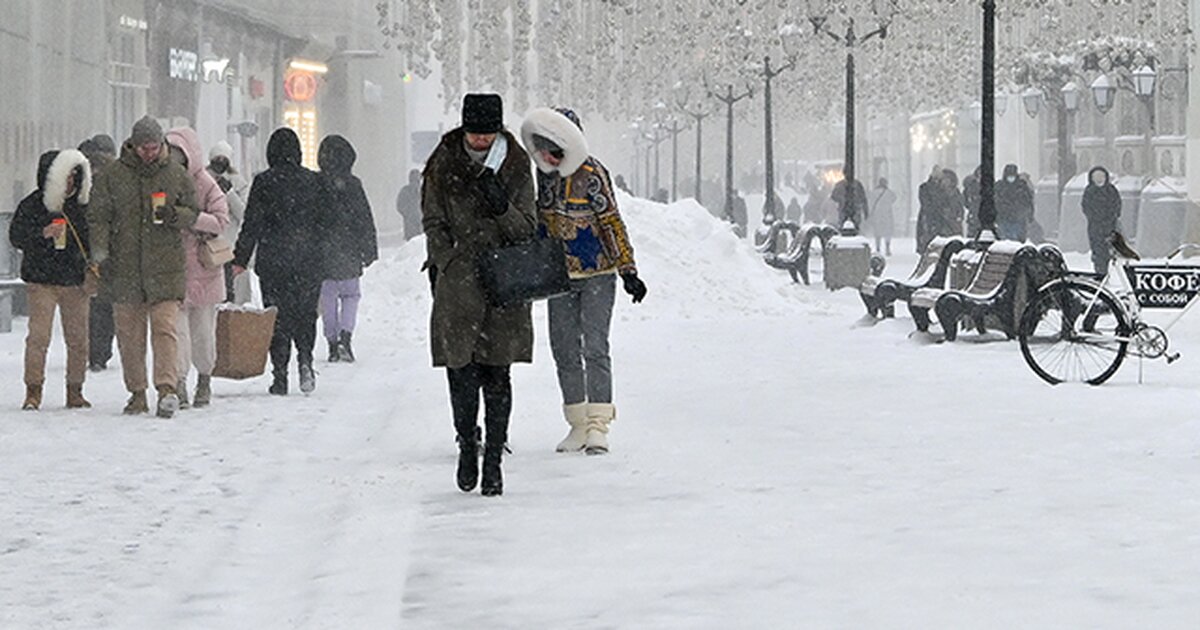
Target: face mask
[1010, 179]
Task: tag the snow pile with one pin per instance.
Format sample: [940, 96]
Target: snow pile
[694, 265]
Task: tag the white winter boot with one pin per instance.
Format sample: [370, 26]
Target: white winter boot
[600, 415]
[577, 417]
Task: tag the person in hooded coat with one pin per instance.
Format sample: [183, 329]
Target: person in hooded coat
[286, 221]
[1102, 208]
[477, 196]
[1014, 205]
[577, 205]
[197, 322]
[139, 206]
[236, 189]
[100, 151]
[350, 245]
[883, 215]
[930, 215]
[408, 205]
[50, 228]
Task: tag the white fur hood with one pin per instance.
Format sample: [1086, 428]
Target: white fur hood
[559, 129]
[54, 194]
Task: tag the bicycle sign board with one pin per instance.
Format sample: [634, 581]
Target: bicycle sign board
[1164, 286]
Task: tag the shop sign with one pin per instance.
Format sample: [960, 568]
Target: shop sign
[184, 65]
[130, 22]
[300, 87]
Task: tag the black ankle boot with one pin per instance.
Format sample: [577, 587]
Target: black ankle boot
[347, 353]
[335, 351]
[468, 465]
[493, 479]
[279, 387]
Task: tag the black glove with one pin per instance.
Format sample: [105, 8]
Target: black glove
[494, 193]
[432, 279]
[168, 214]
[634, 286]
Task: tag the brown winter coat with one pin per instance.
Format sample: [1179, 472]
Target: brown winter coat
[141, 263]
[459, 227]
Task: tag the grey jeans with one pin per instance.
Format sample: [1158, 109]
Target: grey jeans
[579, 324]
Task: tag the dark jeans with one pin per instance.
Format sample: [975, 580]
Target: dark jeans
[296, 321]
[465, 385]
[101, 331]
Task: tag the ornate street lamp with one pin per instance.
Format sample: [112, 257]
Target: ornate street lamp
[976, 109]
[1032, 99]
[1143, 81]
[1104, 93]
[1001, 101]
[1071, 94]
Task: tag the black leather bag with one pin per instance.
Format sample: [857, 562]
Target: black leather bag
[535, 270]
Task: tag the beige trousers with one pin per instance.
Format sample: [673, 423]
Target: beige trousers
[197, 330]
[73, 305]
[131, 320]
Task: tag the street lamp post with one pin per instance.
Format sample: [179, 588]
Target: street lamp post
[987, 143]
[850, 40]
[698, 114]
[770, 212]
[729, 99]
[675, 129]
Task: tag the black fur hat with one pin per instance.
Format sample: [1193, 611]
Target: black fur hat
[482, 113]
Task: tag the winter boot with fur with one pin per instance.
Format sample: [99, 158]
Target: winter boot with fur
[468, 464]
[168, 402]
[493, 479]
[137, 404]
[75, 399]
[33, 398]
[347, 355]
[203, 395]
[279, 386]
[576, 440]
[181, 388]
[600, 415]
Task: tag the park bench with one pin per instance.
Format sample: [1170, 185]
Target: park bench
[795, 259]
[1007, 273]
[880, 294]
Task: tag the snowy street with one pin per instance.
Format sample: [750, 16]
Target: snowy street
[774, 464]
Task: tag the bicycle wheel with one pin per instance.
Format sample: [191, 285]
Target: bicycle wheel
[1074, 332]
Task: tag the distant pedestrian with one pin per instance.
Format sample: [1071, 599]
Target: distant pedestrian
[853, 210]
[577, 205]
[478, 196]
[101, 152]
[973, 199]
[1014, 205]
[287, 219]
[408, 204]
[1102, 208]
[883, 215]
[236, 189]
[139, 206]
[350, 246]
[197, 322]
[51, 230]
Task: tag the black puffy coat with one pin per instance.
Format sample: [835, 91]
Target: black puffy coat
[1014, 200]
[351, 242]
[287, 217]
[42, 263]
[1102, 207]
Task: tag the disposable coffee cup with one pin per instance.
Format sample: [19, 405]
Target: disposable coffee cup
[158, 201]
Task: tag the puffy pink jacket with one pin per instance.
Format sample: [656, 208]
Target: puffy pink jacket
[205, 287]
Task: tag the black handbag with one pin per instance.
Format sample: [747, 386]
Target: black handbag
[534, 270]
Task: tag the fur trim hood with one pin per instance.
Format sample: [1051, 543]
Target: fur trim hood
[559, 129]
[54, 193]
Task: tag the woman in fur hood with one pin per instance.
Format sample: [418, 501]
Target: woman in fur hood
[50, 228]
[577, 205]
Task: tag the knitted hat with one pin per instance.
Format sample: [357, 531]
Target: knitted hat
[145, 131]
[104, 144]
[482, 113]
[220, 149]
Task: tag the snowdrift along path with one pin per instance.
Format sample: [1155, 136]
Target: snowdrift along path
[773, 466]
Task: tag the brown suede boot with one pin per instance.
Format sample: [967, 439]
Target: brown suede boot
[75, 399]
[137, 404]
[33, 398]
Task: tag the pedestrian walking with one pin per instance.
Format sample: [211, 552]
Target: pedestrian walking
[286, 221]
[350, 246]
[100, 151]
[883, 215]
[1014, 205]
[50, 228]
[477, 196]
[139, 206]
[408, 204]
[236, 189]
[1102, 208]
[973, 199]
[197, 322]
[577, 205]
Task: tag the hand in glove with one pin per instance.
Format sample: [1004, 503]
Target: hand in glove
[432, 279]
[634, 286]
[493, 192]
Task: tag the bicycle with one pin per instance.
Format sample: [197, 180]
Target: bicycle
[1081, 326]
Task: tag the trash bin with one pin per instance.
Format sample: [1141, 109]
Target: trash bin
[847, 262]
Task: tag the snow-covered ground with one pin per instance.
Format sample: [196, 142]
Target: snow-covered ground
[774, 464]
